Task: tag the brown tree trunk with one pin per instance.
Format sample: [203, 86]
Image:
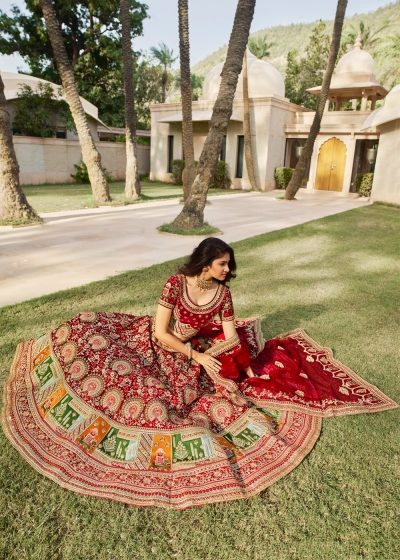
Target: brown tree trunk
[13, 203]
[248, 148]
[164, 80]
[192, 214]
[132, 182]
[90, 155]
[189, 172]
[297, 177]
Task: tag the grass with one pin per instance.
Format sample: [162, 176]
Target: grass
[73, 196]
[206, 229]
[338, 278]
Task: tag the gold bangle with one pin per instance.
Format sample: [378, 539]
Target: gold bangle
[189, 347]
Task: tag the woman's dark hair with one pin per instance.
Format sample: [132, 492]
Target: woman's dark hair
[204, 255]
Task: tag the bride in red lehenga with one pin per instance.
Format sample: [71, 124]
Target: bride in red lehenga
[187, 408]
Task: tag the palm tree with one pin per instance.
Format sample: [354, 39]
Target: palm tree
[297, 177]
[248, 148]
[192, 214]
[196, 82]
[90, 155]
[132, 182]
[259, 46]
[189, 172]
[391, 76]
[13, 203]
[370, 39]
[166, 58]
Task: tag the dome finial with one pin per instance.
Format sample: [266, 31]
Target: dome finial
[358, 43]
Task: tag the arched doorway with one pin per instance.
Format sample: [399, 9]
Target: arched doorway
[331, 166]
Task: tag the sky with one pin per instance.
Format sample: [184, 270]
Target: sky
[210, 22]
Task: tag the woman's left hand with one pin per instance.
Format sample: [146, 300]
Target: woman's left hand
[209, 363]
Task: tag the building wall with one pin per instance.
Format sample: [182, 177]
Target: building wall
[269, 116]
[51, 160]
[386, 186]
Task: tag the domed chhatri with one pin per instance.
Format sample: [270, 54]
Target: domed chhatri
[264, 81]
[355, 66]
[354, 79]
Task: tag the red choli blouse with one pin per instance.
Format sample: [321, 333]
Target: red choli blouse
[187, 317]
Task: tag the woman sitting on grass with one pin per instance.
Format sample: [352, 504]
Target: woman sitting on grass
[187, 408]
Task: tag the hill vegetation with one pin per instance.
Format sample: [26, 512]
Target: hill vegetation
[296, 36]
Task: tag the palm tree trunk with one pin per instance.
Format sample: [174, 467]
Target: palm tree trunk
[189, 172]
[164, 80]
[192, 214]
[13, 203]
[297, 177]
[90, 155]
[248, 149]
[132, 182]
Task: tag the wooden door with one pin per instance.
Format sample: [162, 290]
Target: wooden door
[331, 166]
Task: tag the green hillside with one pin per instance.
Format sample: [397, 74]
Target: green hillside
[295, 36]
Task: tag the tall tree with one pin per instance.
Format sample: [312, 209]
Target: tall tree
[248, 147]
[192, 214]
[297, 177]
[91, 33]
[259, 46]
[132, 182]
[189, 171]
[391, 52]
[370, 38]
[308, 71]
[13, 203]
[90, 155]
[165, 58]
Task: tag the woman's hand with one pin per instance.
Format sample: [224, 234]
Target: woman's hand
[209, 363]
[249, 372]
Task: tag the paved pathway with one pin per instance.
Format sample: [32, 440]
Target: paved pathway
[79, 246]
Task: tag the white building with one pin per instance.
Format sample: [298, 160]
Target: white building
[386, 185]
[53, 160]
[279, 128]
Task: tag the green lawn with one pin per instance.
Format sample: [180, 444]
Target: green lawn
[72, 196]
[338, 278]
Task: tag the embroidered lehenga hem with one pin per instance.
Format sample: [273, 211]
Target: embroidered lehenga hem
[261, 448]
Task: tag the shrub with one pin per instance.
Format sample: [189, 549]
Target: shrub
[283, 176]
[364, 183]
[221, 178]
[82, 175]
[178, 165]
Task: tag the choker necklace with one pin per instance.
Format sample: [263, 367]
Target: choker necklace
[203, 285]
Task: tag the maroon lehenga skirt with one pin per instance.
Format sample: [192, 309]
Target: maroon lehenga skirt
[100, 408]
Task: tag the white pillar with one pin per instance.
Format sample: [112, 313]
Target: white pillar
[364, 104]
[351, 147]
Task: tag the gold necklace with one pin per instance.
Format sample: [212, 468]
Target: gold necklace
[203, 285]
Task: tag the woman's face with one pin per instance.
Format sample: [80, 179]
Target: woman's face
[220, 267]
